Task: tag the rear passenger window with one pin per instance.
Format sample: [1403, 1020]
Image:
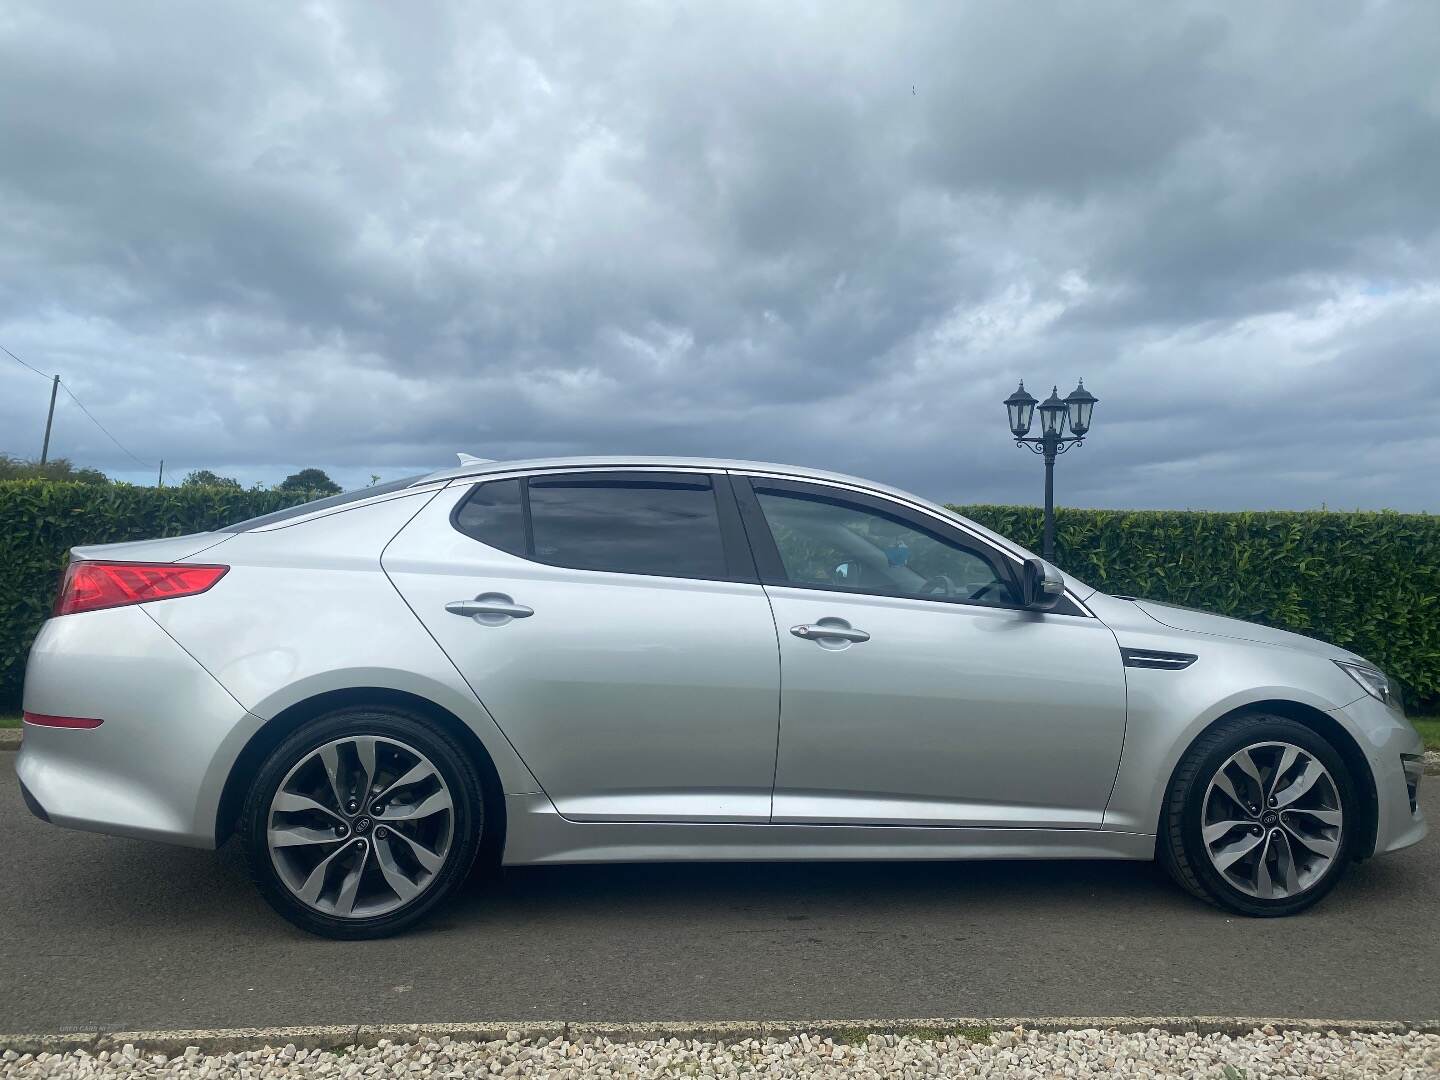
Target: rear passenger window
[662, 524]
[639, 526]
[495, 515]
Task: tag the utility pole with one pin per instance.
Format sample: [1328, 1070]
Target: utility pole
[161, 481]
[49, 420]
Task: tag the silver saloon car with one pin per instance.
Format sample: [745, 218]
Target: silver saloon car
[623, 659]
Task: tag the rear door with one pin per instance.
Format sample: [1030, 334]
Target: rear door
[612, 624]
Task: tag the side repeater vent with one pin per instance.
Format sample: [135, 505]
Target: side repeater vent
[1150, 658]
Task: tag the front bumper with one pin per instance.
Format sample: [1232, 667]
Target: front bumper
[156, 766]
[1389, 743]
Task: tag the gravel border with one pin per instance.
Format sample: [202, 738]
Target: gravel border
[1031, 1054]
[338, 1036]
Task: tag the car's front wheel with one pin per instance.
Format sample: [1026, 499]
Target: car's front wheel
[362, 821]
[1260, 817]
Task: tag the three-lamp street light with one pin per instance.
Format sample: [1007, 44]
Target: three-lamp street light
[1055, 413]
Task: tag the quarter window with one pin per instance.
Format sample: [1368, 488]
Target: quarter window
[835, 543]
[494, 514]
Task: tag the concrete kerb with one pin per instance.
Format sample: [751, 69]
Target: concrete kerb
[173, 1043]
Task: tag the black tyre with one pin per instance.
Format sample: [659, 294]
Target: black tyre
[362, 822]
[1261, 816]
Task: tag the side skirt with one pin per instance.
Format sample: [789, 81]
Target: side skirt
[536, 834]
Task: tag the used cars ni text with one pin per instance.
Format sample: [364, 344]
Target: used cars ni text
[623, 659]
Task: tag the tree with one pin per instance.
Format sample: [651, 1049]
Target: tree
[206, 478]
[13, 468]
[310, 480]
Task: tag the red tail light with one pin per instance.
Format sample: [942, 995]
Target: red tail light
[89, 586]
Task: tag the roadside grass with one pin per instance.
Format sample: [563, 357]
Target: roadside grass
[9, 719]
[1429, 728]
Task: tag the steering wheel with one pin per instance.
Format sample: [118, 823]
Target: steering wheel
[939, 581]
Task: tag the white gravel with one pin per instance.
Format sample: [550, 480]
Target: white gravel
[1017, 1053]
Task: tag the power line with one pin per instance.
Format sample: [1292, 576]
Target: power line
[22, 363]
[124, 449]
[117, 442]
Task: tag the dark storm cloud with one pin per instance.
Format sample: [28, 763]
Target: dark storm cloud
[366, 236]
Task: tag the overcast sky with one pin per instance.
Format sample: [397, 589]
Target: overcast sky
[252, 237]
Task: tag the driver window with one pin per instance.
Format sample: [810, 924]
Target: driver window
[834, 543]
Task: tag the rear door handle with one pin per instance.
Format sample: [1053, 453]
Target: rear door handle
[829, 628]
[490, 609]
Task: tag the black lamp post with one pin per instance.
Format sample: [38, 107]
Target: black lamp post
[1052, 440]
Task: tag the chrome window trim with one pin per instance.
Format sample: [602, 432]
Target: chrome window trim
[550, 470]
[711, 470]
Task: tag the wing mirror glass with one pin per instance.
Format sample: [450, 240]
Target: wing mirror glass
[1041, 585]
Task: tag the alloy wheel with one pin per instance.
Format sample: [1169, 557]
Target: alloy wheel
[1272, 820]
[360, 826]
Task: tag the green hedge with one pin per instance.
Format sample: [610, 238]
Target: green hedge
[41, 520]
[1368, 582]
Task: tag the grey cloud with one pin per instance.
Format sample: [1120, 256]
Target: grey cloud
[364, 237]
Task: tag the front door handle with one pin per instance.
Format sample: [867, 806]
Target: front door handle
[490, 609]
[829, 628]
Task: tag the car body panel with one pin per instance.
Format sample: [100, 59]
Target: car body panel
[1384, 737]
[538, 835]
[155, 767]
[1169, 709]
[306, 610]
[950, 714]
[630, 697]
[1205, 622]
[165, 549]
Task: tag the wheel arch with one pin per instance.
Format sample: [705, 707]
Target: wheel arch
[259, 746]
[1328, 728]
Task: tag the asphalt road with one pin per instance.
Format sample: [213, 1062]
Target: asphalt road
[102, 933]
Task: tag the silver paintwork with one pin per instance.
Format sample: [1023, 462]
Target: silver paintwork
[360, 826]
[630, 698]
[950, 714]
[633, 717]
[1272, 820]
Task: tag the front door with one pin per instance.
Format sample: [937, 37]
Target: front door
[914, 690]
[612, 625]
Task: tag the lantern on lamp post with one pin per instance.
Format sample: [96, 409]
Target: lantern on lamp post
[1074, 410]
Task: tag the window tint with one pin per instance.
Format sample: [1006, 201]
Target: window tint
[495, 515]
[838, 544]
[666, 526]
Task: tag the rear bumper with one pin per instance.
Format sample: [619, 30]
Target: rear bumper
[32, 804]
[156, 766]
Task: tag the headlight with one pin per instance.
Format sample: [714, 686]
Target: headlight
[1371, 680]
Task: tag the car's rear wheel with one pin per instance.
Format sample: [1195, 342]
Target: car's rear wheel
[361, 822]
[1260, 816]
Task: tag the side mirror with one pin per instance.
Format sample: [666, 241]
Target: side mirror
[1041, 585]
